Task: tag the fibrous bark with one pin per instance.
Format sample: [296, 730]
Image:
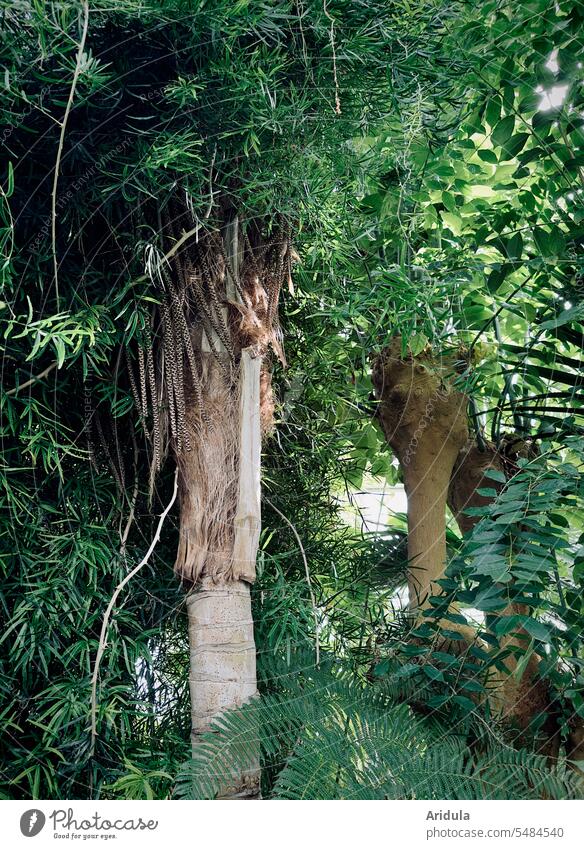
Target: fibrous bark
[208, 483]
[228, 407]
[205, 394]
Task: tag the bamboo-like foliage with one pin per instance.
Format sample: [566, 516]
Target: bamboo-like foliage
[395, 237]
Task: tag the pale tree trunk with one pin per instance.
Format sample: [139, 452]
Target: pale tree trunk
[222, 666]
[424, 420]
[220, 623]
[425, 482]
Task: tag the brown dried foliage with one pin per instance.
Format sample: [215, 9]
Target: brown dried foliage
[187, 390]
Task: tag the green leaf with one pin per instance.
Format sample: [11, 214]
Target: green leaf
[464, 703]
[515, 246]
[495, 475]
[530, 102]
[453, 222]
[550, 242]
[515, 144]
[60, 348]
[449, 201]
[382, 668]
[488, 156]
[432, 673]
[10, 180]
[417, 342]
[538, 630]
[493, 111]
[473, 686]
[503, 131]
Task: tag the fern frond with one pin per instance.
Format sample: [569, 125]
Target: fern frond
[329, 736]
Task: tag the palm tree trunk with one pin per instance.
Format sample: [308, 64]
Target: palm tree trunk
[426, 484]
[222, 649]
[210, 390]
[222, 666]
[423, 417]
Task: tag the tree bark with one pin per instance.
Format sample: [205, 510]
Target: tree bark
[222, 648]
[424, 420]
[518, 700]
[222, 667]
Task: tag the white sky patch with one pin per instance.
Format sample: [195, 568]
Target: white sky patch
[552, 62]
[474, 616]
[371, 507]
[553, 98]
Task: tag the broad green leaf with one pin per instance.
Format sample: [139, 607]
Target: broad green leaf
[503, 131]
[453, 222]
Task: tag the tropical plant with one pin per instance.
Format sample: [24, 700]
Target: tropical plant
[382, 170]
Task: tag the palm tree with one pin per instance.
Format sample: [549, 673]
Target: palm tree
[210, 398]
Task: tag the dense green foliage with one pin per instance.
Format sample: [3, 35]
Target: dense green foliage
[334, 738]
[443, 202]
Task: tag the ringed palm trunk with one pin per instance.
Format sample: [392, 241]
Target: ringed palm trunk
[222, 672]
[218, 323]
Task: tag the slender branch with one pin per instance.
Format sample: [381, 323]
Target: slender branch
[334, 52]
[60, 148]
[169, 254]
[308, 579]
[103, 635]
[181, 241]
[34, 379]
[126, 531]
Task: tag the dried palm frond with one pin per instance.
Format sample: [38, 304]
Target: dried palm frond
[212, 305]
